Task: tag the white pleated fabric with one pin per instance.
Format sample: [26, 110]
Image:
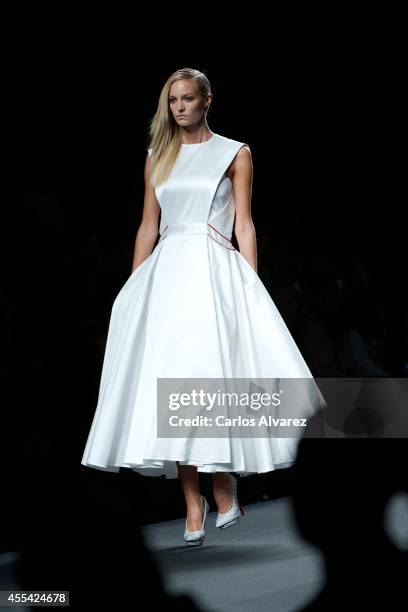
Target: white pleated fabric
[195, 308]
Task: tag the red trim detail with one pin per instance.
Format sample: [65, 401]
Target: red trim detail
[219, 233]
[209, 224]
[225, 247]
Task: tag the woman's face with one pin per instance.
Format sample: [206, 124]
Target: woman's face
[185, 100]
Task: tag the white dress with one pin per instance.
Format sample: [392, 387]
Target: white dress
[195, 308]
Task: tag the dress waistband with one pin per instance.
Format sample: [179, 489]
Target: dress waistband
[198, 228]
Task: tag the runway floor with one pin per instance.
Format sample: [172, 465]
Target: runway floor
[261, 563]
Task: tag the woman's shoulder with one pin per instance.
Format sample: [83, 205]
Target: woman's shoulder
[231, 141]
[233, 144]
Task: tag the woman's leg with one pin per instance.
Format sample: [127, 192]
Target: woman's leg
[222, 490]
[189, 482]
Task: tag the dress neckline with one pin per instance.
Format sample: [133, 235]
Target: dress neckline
[197, 144]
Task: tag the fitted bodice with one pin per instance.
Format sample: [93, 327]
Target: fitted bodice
[197, 190]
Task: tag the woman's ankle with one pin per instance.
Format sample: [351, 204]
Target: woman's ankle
[223, 493]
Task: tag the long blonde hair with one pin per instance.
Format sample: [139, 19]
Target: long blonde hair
[165, 134]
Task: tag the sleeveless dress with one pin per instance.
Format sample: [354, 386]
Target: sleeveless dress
[195, 308]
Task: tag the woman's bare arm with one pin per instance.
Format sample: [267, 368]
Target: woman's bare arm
[242, 185]
[147, 233]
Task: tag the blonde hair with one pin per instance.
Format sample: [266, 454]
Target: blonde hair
[165, 134]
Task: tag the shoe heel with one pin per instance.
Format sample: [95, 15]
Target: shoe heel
[232, 516]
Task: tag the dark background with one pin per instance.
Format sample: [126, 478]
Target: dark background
[323, 125]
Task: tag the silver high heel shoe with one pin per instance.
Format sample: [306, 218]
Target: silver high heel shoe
[231, 517]
[195, 538]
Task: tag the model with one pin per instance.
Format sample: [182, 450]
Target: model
[193, 307]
